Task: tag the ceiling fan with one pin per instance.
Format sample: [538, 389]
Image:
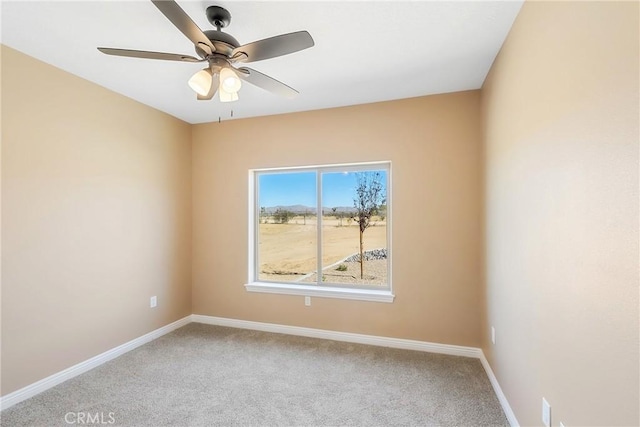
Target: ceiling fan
[221, 50]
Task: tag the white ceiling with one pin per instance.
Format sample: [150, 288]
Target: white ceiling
[364, 51]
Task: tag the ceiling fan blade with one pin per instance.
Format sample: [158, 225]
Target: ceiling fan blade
[215, 82]
[265, 82]
[183, 22]
[149, 55]
[274, 46]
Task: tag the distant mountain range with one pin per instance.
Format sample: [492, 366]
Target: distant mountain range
[301, 209]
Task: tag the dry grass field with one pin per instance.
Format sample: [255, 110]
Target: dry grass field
[287, 252]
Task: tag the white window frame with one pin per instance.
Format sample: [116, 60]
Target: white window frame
[334, 291]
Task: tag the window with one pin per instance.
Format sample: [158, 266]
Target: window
[310, 227]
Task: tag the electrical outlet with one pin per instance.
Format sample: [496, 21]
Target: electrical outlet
[493, 335]
[153, 301]
[546, 413]
[307, 301]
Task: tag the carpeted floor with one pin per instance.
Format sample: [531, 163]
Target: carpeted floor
[202, 375]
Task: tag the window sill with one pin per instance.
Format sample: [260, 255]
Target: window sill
[321, 291]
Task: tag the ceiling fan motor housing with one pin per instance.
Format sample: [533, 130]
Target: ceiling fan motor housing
[224, 43]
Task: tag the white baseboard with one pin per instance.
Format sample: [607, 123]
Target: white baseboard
[82, 367]
[454, 350]
[511, 417]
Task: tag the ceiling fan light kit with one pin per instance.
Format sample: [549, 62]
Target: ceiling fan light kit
[227, 96]
[229, 81]
[221, 50]
[200, 82]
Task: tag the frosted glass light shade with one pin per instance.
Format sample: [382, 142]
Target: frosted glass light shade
[200, 82]
[229, 81]
[227, 96]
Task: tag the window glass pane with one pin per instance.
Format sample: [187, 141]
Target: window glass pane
[287, 230]
[354, 201]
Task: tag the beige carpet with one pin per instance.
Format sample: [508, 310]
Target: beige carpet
[202, 375]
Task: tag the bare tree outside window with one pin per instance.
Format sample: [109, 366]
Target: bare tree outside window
[369, 197]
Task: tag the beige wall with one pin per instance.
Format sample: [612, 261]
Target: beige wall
[434, 145]
[96, 218]
[560, 116]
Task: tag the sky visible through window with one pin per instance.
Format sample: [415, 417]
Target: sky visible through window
[299, 188]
